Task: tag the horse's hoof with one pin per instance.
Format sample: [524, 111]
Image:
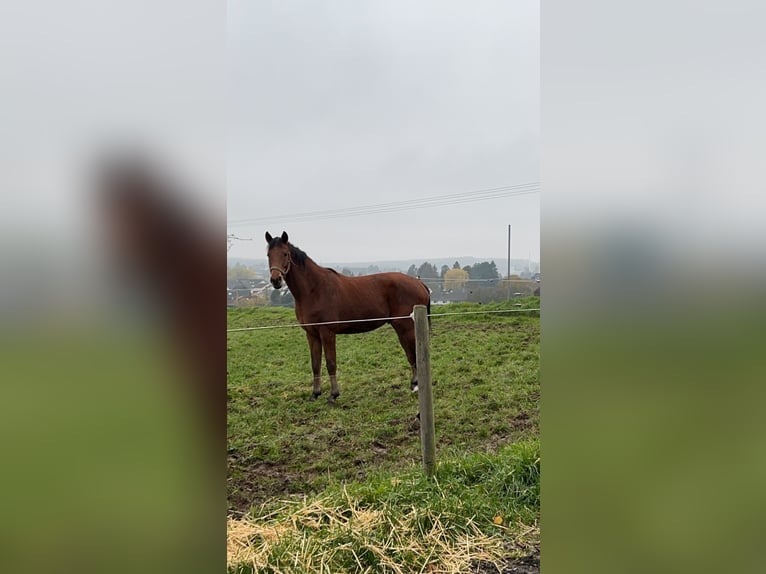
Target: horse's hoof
[331, 399]
[314, 396]
[414, 388]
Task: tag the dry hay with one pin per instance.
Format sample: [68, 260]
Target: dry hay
[319, 536]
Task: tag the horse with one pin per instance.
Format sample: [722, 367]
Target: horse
[329, 304]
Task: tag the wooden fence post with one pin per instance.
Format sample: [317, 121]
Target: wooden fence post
[425, 396]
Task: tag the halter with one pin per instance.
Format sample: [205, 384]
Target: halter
[285, 271]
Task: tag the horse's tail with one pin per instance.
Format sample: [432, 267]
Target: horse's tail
[428, 303]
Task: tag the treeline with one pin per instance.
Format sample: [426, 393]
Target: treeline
[239, 271]
[485, 270]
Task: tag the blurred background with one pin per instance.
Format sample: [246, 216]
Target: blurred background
[112, 409]
[652, 326]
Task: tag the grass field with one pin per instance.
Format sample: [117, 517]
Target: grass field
[288, 454]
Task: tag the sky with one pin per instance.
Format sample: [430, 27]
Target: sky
[342, 105]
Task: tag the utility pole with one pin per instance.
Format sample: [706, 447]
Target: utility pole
[230, 238]
[509, 262]
[509, 251]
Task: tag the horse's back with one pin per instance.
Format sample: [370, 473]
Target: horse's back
[401, 292]
[391, 289]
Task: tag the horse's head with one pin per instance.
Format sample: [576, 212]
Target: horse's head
[279, 258]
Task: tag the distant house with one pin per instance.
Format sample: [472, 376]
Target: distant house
[242, 284]
[237, 289]
[442, 297]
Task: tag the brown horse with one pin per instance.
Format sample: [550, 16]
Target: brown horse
[324, 296]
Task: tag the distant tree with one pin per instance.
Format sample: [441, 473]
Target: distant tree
[428, 271]
[413, 271]
[445, 268]
[347, 272]
[282, 298]
[455, 279]
[240, 271]
[456, 265]
[260, 299]
[484, 270]
[373, 269]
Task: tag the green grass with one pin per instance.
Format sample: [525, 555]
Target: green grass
[364, 452]
[473, 511]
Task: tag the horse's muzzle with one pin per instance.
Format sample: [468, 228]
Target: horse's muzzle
[276, 281]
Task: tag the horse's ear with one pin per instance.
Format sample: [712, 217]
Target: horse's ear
[268, 237]
[284, 236]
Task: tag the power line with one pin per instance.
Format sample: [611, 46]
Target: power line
[480, 195]
[434, 201]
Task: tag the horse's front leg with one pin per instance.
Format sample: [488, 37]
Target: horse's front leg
[328, 343]
[315, 346]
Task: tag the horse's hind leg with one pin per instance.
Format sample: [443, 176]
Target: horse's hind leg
[315, 346]
[328, 343]
[405, 329]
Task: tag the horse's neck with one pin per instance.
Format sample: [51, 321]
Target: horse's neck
[303, 278]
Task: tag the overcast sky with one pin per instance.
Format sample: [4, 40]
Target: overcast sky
[344, 104]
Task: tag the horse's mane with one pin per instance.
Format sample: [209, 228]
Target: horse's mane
[297, 255]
